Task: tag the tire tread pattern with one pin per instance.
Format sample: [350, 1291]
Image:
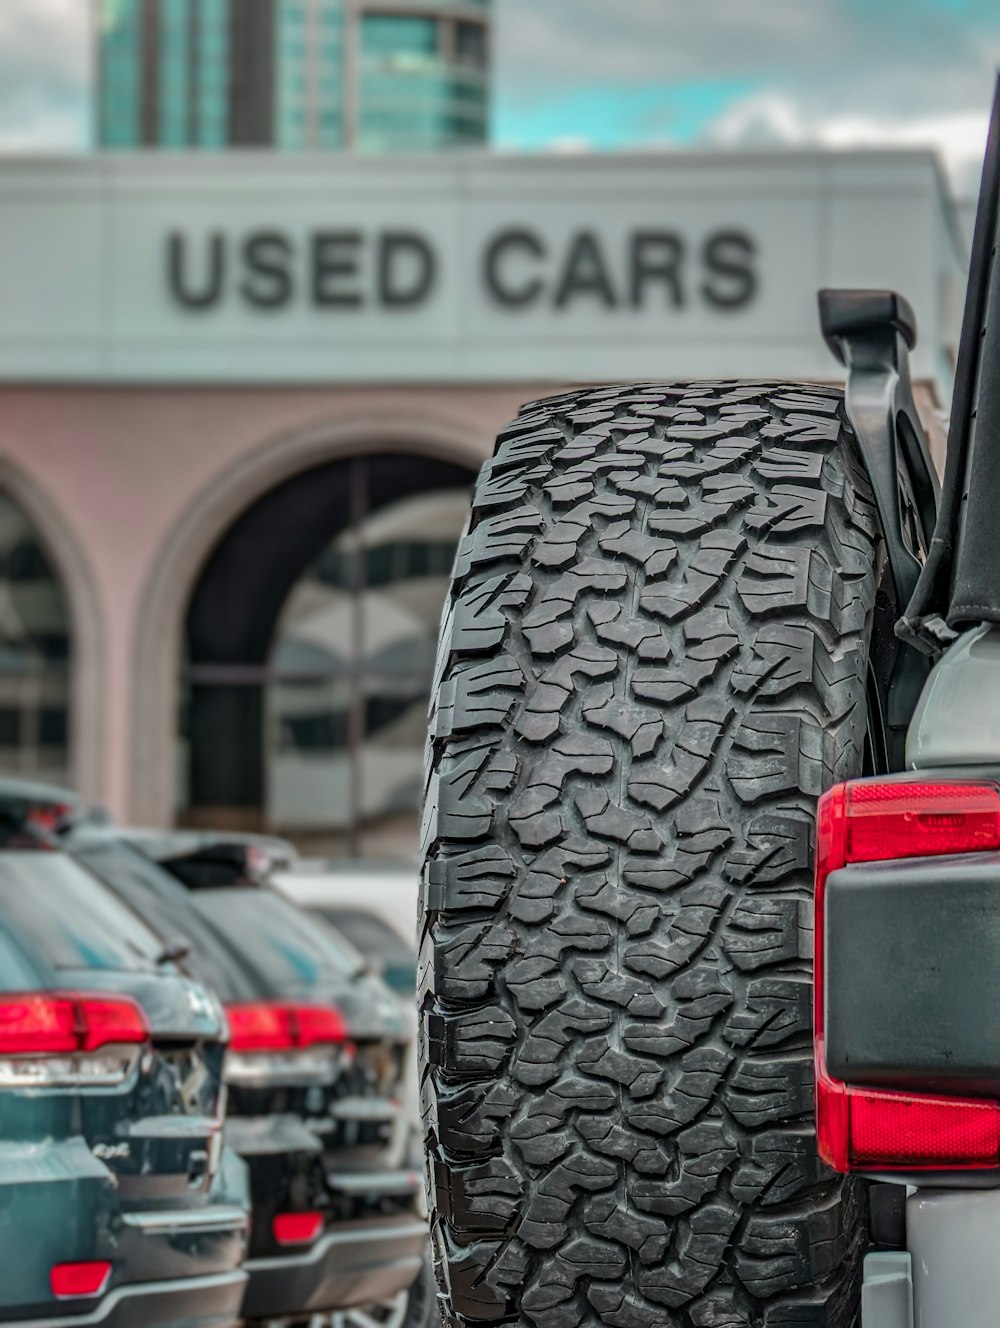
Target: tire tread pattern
[652, 662]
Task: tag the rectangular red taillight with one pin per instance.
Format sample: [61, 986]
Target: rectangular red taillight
[878, 820]
[55, 1023]
[297, 1228]
[86, 1278]
[65, 1039]
[283, 1025]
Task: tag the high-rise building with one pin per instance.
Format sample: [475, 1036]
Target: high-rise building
[374, 75]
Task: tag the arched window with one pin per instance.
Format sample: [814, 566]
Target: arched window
[35, 654]
[311, 643]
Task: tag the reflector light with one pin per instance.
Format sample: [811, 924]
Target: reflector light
[297, 1228]
[880, 1130]
[283, 1025]
[876, 820]
[89, 1278]
[59, 1024]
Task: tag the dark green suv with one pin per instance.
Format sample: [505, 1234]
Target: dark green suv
[114, 1207]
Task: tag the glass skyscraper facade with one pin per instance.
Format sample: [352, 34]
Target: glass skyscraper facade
[299, 75]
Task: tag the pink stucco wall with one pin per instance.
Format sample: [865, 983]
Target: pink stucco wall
[120, 466]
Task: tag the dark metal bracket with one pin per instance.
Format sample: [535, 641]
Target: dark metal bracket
[871, 333]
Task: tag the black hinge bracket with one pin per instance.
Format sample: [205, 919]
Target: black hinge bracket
[871, 333]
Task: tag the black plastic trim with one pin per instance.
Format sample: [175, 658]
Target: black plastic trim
[911, 969]
[960, 582]
[871, 333]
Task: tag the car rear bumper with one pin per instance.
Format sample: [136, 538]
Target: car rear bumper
[191, 1302]
[353, 1264]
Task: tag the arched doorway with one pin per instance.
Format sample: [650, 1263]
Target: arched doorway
[35, 653]
[309, 653]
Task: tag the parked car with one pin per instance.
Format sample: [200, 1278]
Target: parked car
[117, 1206]
[313, 1074]
[374, 905]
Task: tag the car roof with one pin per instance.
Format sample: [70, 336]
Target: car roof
[177, 843]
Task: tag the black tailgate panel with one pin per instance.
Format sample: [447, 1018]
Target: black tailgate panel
[912, 974]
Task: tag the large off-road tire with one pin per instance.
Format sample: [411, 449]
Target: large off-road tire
[653, 661]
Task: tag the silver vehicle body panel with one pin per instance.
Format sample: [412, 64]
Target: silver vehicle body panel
[887, 1291]
[950, 1276]
[954, 1239]
[957, 720]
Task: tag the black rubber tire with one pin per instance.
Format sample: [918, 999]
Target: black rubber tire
[653, 661]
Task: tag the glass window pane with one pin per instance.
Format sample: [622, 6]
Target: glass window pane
[119, 96]
[69, 917]
[291, 951]
[385, 36]
[35, 651]
[310, 781]
[322, 739]
[165, 905]
[409, 547]
[377, 941]
[470, 43]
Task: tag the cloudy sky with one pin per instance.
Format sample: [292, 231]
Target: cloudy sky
[611, 74]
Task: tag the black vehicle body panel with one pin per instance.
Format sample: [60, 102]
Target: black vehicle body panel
[960, 582]
[911, 974]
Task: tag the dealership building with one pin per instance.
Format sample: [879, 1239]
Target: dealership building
[243, 397]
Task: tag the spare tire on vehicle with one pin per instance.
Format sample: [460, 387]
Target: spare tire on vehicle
[653, 661]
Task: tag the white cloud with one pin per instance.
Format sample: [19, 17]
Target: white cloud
[823, 71]
[45, 59]
[771, 119]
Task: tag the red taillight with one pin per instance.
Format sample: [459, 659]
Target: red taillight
[873, 821]
[297, 1228]
[57, 1024]
[283, 1026]
[88, 1278]
[864, 1129]
[318, 1025]
[111, 1021]
[49, 816]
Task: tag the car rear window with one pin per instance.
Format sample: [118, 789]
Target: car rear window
[288, 948]
[375, 939]
[165, 905]
[21, 970]
[70, 918]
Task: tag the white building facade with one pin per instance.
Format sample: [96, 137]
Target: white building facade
[242, 400]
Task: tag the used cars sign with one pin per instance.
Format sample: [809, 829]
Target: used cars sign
[263, 268]
[518, 269]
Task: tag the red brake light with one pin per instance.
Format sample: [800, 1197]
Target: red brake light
[258, 1027]
[872, 821]
[283, 1026]
[318, 1025]
[110, 1021]
[57, 1024]
[296, 1228]
[89, 1278]
[873, 1129]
